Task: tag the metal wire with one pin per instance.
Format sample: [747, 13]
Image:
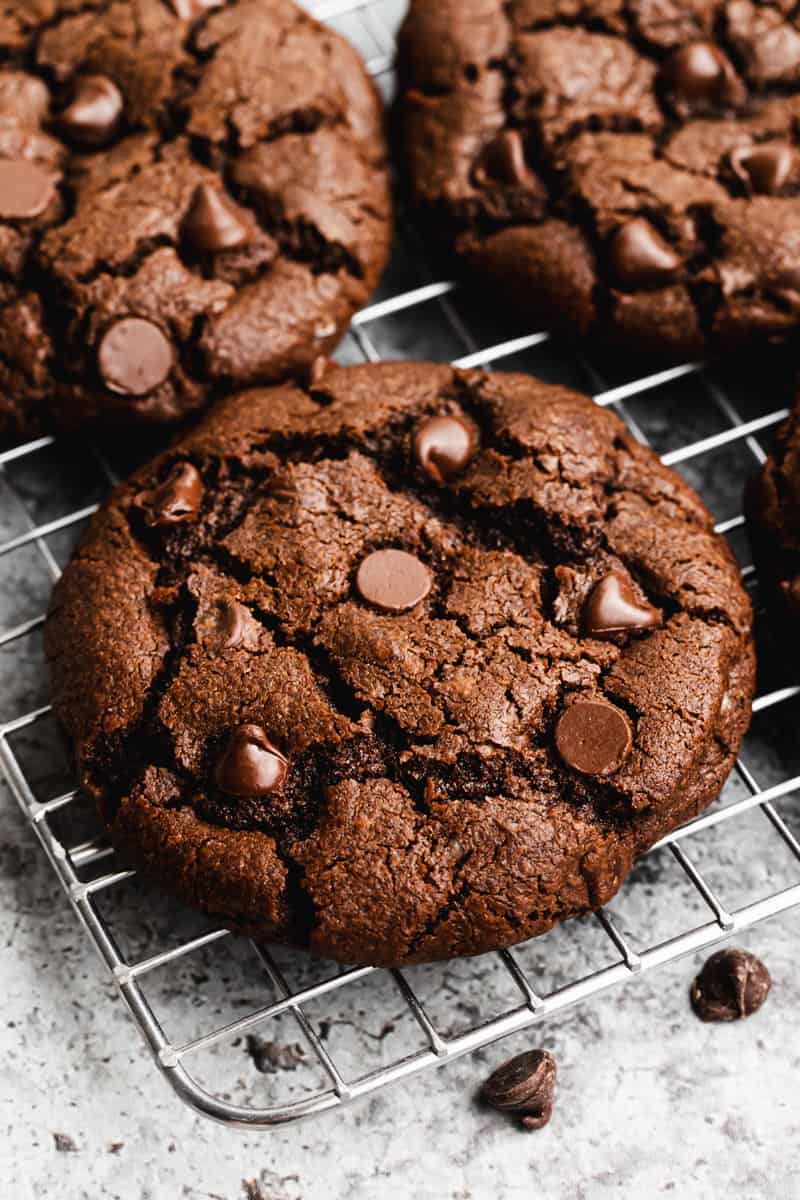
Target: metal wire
[72, 863]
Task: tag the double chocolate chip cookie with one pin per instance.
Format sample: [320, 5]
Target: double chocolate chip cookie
[629, 171]
[407, 665]
[772, 505]
[193, 194]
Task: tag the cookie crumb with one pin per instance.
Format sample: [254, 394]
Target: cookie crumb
[271, 1057]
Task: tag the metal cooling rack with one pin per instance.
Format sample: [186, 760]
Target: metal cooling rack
[706, 424]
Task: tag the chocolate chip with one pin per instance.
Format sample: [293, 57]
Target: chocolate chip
[393, 580]
[640, 258]
[250, 765]
[25, 190]
[699, 76]
[134, 357]
[594, 737]
[443, 446]
[524, 1086]
[93, 114]
[765, 169]
[732, 984]
[187, 10]
[225, 625]
[613, 607]
[503, 161]
[212, 223]
[176, 500]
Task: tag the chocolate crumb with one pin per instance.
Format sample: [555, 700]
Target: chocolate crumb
[64, 1143]
[115, 1147]
[732, 984]
[524, 1086]
[271, 1057]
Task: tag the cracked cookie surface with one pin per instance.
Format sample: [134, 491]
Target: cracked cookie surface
[408, 664]
[193, 196]
[629, 172]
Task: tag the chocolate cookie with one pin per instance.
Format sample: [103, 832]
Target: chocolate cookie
[193, 193]
[408, 665]
[772, 506]
[629, 171]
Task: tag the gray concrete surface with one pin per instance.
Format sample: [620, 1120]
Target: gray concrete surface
[650, 1101]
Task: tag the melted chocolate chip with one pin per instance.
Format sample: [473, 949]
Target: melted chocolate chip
[640, 258]
[594, 737]
[134, 357]
[393, 580]
[224, 626]
[765, 169]
[26, 190]
[212, 223]
[524, 1086]
[613, 607]
[176, 500]
[732, 984]
[94, 112]
[699, 76]
[503, 161]
[250, 765]
[443, 447]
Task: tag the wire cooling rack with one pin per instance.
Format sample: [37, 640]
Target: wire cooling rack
[200, 997]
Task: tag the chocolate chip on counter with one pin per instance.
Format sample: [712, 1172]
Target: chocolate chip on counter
[732, 984]
[393, 580]
[134, 357]
[213, 224]
[640, 257]
[524, 1086]
[93, 114]
[613, 607]
[593, 736]
[765, 169]
[443, 447]
[698, 76]
[176, 500]
[250, 765]
[26, 190]
[503, 161]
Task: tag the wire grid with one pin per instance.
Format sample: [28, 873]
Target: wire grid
[85, 867]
